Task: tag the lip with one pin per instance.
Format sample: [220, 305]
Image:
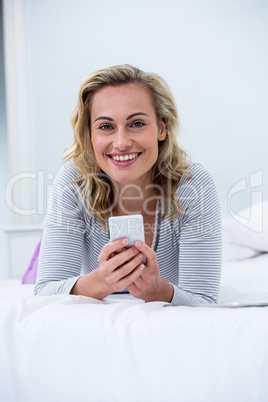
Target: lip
[124, 154]
[124, 163]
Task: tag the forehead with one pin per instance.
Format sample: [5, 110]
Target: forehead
[127, 97]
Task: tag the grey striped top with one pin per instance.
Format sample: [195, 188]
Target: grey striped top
[188, 248]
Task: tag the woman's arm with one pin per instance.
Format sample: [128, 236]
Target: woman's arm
[199, 234]
[61, 252]
[200, 240]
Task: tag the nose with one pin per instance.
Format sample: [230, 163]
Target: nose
[122, 140]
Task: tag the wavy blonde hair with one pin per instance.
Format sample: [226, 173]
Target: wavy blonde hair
[98, 191]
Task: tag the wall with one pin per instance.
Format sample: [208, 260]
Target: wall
[213, 55]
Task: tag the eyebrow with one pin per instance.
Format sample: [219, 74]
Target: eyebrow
[136, 114]
[128, 118]
[104, 118]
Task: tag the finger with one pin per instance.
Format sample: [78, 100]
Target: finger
[110, 248]
[117, 252]
[120, 250]
[139, 282]
[146, 250]
[132, 277]
[113, 264]
[127, 268]
[125, 256]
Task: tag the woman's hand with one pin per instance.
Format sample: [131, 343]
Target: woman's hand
[119, 268]
[149, 285]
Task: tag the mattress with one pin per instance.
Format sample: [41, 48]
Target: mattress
[69, 347]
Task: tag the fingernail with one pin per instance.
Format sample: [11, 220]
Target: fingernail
[138, 244]
[141, 256]
[125, 241]
[141, 267]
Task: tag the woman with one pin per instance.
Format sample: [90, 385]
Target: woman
[125, 160]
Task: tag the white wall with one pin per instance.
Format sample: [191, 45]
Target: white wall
[212, 53]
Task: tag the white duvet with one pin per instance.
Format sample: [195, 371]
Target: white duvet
[73, 348]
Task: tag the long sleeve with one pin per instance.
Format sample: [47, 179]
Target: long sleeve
[61, 252]
[199, 240]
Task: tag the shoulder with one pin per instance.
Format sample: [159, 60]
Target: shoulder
[192, 189]
[64, 186]
[200, 176]
[66, 174]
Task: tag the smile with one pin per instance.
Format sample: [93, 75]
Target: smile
[124, 157]
[125, 160]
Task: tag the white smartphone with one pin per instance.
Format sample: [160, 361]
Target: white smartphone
[129, 226]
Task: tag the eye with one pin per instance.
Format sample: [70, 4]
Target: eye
[105, 126]
[138, 124]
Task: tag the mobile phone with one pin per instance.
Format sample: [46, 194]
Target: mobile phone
[129, 226]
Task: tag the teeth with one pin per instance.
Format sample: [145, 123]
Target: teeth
[124, 158]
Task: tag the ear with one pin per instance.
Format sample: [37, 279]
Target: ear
[162, 131]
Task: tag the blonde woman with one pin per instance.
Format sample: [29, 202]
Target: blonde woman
[124, 160]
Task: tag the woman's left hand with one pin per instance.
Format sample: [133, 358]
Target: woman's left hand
[149, 286]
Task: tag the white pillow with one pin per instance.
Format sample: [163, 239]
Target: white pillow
[246, 237]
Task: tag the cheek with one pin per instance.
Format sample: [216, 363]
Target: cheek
[153, 147]
[156, 153]
[98, 145]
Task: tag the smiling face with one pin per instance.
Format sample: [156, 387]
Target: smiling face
[125, 133]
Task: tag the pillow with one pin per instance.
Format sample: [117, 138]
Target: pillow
[30, 275]
[246, 237]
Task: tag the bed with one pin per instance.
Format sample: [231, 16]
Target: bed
[66, 348]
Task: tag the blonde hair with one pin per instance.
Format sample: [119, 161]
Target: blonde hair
[98, 191]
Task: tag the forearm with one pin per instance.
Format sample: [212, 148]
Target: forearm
[90, 285]
[164, 292]
[184, 297]
[51, 287]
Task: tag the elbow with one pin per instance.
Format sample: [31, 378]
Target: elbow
[209, 299]
[37, 289]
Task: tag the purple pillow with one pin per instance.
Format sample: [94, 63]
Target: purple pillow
[30, 275]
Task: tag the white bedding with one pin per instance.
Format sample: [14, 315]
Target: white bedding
[245, 280]
[66, 348]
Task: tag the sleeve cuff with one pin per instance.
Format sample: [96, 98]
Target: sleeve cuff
[186, 298]
[176, 297]
[56, 287]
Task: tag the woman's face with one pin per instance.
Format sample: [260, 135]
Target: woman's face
[125, 133]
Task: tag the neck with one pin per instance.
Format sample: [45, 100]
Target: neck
[132, 199]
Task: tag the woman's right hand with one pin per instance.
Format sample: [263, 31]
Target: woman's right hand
[118, 268]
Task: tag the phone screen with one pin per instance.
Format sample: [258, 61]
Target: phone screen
[129, 226]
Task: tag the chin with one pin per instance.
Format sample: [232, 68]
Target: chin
[124, 180]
